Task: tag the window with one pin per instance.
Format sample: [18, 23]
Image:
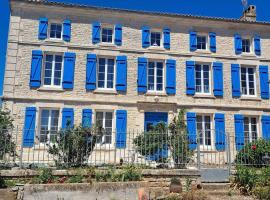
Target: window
[155, 76]
[201, 42]
[202, 78]
[248, 81]
[106, 73]
[155, 39]
[107, 35]
[104, 120]
[56, 31]
[52, 75]
[204, 129]
[49, 125]
[250, 129]
[246, 45]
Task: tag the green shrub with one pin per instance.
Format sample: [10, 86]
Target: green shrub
[77, 178]
[252, 153]
[45, 176]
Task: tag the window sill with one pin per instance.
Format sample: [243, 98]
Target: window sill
[107, 45]
[247, 98]
[203, 51]
[104, 147]
[248, 55]
[156, 48]
[156, 94]
[102, 91]
[207, 96]
[58, 41]
[51, 89]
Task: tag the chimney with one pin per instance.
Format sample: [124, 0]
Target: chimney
[249, 14]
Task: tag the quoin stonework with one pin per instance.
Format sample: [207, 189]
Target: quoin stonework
[128, 70]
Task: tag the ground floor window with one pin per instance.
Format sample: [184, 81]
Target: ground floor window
[104, 119]
[204, 129]
[49, 125]
[250, 129]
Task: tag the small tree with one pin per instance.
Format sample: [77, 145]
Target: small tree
[7, 144]
[74, 145]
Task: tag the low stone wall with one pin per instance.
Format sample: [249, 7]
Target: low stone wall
[155, 183]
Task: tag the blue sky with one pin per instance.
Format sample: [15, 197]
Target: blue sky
[217, 8]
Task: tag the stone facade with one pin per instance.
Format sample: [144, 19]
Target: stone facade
[23, 38]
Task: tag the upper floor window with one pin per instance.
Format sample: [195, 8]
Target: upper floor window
[204, 127]
[156, 39]
[53, 69]
[246, 46]
[202, 78]
[106, 73]
[104, 119]
[248, 81]
[201, 42]
[250, 129]
[55, 31]
[49, 125]
[155, 76]
[107, 35]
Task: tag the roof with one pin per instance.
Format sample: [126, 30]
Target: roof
[66, 4]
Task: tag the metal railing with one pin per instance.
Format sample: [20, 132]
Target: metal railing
[150, 149]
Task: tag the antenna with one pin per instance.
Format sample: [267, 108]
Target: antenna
[245, 4]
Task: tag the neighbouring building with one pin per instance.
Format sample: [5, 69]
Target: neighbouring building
[129, 70]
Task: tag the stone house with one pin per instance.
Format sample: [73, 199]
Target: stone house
[128, 70]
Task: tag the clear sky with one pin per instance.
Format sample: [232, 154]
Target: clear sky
[216, 8]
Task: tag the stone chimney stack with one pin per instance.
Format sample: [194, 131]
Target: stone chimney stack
[249, 14]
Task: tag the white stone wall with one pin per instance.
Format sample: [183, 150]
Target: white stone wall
[23, 38]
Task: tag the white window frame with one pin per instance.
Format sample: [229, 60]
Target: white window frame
[203, 146]
[53, 70]
[111, 145]
[250, 45]
[206, 41]
[107, 26]
[106, 75]
[161, 37]
[247, 78]
[202, 78]
[49, 30]
[41, 144]
[155, 76]
[249, 128]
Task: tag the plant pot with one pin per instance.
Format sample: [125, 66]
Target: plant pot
[176, 188]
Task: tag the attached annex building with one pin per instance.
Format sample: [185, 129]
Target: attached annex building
[128, 70]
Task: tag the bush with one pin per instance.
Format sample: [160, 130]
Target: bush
[6, 125]
[77, 178]
[252, 153]
[74, 146]
[45, 176]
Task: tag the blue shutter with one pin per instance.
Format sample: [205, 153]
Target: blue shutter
[190, 77]
[167, 38]
[193, 41]
[91, 72]
[264, 81]
[237, 44]
[235, 73]
[145, 36]
[121, 128]
[220, 131]
[171, 76]
[266, 127]
[67, 118]
[118, 35]
[142, 74]
[239, 131]
[212, 37]
[257, 45]
[87, 118]
[121, 73]
[69, 66]
[29, 127]
[96, 32]
[218, 79]
[67, 30]
[36, 67]
[43, 27]
[191, 128]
